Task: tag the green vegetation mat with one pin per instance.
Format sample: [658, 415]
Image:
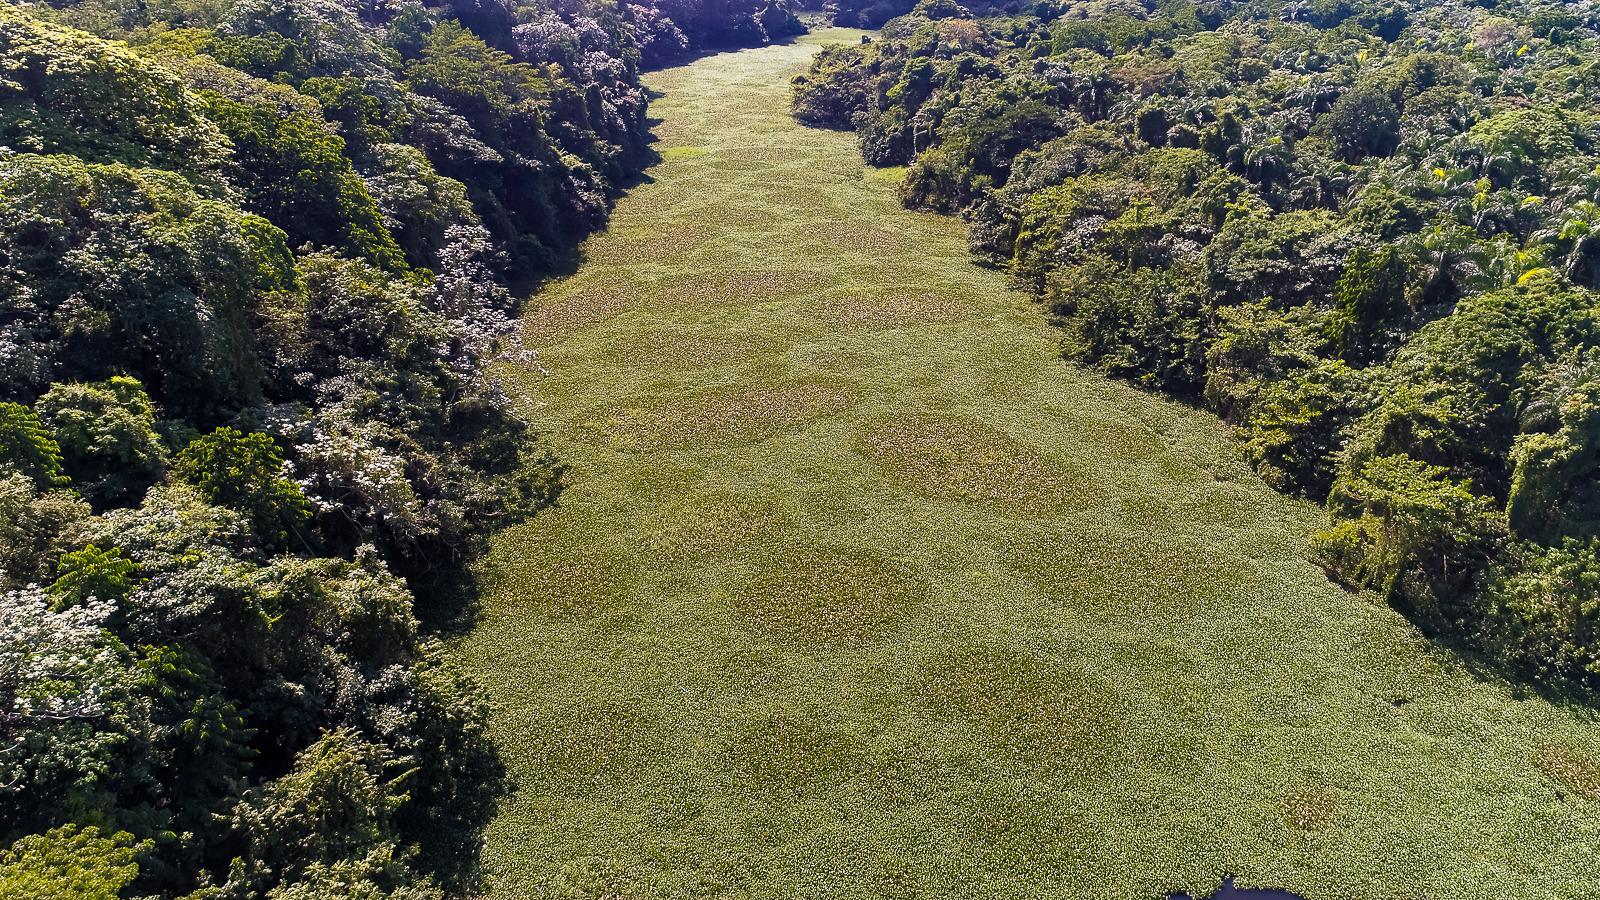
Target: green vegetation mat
[859, 591]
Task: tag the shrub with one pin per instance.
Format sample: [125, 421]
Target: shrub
[107, 433]
[245, 470]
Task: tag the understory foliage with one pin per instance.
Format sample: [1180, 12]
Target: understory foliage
[256, 257]
[1366, 234]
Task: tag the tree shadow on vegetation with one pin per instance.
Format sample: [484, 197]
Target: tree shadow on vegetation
[633, 182]
[1485, 668]
[450, 591]
[454, 808]
[1483, 662]
[451, 602]
[455, 812]
[565, 262]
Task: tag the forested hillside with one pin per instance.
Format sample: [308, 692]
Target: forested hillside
[1367, 234]
[254, 269]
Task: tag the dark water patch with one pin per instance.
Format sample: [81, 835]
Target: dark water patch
[1229, 891]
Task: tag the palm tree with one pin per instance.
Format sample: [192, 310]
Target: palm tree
[1452, 262]
[1576, 236]
[1575, 371]
[1261, 157]
[1092, 89]
[1578, 180]
[1494, 212]
[1508, 263]
[1320, 182]
[1499, 159]
[1315, 94]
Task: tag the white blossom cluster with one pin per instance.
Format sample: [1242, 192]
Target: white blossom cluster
[55, 665]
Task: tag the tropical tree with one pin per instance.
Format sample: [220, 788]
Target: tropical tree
[1450, 261]
[82, 863]
[107, 433]
[1575, 234]
[245, 470]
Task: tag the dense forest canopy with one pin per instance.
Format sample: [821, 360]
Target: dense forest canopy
[1365, 233]
[254, 269]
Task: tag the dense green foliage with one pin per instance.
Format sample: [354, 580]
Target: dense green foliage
[1365, 234]
[862, 593]
[256, 266]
